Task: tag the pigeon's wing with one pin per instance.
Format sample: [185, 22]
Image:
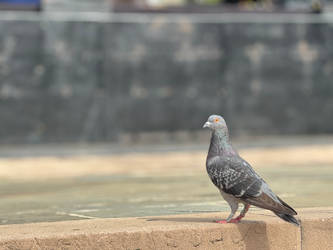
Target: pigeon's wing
[268, 200]
[236, 177]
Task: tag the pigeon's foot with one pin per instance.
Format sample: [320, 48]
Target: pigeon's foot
[242, 214]
[236, 220]
[221, 221]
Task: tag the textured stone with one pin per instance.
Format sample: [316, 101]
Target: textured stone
[317, 232]
[259, 230]
[86, 78]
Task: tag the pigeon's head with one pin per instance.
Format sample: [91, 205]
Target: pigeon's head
[215, 122]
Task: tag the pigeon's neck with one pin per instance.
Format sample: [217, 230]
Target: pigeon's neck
[220, 144]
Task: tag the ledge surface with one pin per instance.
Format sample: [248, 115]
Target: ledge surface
[260, 230]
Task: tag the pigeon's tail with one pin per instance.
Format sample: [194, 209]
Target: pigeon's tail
[289, 218]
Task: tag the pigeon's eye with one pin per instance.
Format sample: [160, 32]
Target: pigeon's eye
[216, 120]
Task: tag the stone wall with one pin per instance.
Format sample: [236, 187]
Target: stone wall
[92, 77]
[258, 230]
[77, 5]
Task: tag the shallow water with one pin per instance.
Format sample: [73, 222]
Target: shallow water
[127, 196]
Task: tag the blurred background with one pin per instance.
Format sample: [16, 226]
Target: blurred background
[102, 103]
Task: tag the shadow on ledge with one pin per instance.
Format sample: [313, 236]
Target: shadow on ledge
[252, 234]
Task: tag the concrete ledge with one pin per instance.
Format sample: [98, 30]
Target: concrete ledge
[260, 230]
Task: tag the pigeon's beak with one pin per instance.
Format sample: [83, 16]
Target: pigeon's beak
[207, 125]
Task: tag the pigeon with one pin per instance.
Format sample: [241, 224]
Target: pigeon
[236, 179]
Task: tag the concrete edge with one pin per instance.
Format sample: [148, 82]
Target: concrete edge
[260, 230]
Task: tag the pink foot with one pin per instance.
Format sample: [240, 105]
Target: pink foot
[236, 220]
[221, 221]
[225, 221]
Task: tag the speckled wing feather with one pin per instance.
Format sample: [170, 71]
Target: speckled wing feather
[235, 176]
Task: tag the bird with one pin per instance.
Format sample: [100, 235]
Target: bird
[236, 180]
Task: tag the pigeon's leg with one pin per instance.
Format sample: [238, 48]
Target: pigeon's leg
[242, 214]
[234, 206]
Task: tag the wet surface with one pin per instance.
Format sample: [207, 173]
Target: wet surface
[107, 196]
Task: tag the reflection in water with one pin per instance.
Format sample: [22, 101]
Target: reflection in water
[127, 196]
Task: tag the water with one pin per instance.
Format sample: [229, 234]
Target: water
[107, 196]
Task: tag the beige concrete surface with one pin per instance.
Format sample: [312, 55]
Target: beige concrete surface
[166, 163]
[260, 230]
[317, 233]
